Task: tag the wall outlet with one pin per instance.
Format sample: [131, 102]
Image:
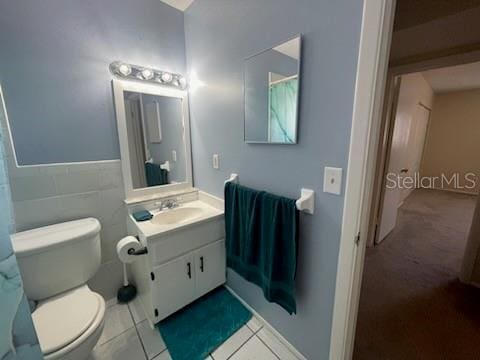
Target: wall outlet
[174, 155]
[215, 161]
[332, 180]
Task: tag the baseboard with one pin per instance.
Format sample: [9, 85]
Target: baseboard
[280, 337]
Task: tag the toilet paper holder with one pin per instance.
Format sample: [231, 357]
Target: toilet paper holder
[138, 252]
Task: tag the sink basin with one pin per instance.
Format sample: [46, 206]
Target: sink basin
[177, 215]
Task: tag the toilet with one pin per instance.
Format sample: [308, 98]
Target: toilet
[56, 262]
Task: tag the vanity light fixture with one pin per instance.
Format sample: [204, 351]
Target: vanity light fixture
[166, 77]
[135, 72]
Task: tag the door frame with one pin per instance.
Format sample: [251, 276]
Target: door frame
[363, 171]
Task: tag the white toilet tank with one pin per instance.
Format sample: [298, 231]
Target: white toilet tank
[56, 258]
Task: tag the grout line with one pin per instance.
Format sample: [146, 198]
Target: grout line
[268, 347]
[243, 344]
[114, 337]
[138, 333]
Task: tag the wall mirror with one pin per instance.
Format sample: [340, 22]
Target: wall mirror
[271, 90]
[154, 134]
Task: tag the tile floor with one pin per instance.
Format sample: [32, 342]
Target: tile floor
[127, 336]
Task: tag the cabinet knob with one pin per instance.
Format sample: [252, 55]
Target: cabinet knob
[201, 264]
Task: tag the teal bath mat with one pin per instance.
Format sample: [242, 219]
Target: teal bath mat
[195, 331]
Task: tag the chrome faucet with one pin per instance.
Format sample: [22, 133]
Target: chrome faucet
[170, 204]
[167, 204]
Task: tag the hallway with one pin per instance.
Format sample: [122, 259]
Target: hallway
[412, 305]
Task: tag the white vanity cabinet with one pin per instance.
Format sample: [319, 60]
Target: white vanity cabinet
[180, 266]
[186, 278]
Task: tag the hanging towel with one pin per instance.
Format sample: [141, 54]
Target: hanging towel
[155, 175]
[261, 240]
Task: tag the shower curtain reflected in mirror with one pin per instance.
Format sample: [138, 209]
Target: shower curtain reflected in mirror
[283, 110]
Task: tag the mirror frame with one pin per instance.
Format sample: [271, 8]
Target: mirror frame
[119, 87]
[297, 115]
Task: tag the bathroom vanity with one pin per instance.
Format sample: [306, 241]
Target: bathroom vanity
[182, 253]
[186, 253]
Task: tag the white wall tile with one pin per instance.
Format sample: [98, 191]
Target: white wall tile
[49, 194]
[111, 235]
[80, 182]
[108, 279]
[32, 187]
[34, 213]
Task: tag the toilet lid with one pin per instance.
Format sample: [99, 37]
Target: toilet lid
[62, 319]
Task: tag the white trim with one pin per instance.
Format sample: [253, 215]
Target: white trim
[372, 67]
[266, 324]
[119, 87]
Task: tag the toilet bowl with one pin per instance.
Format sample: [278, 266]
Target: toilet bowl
[56, 262]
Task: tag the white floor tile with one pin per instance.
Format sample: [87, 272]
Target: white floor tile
[117, 321]
[254, 324]
[137, 310]
[276, 345]
[112, 301]
[123, 347]
[151, 339]
[254, 349]
[163, 356]
[232, 344]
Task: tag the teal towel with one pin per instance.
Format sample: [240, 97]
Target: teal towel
[261, 240]
[142, 215]
[155, 175]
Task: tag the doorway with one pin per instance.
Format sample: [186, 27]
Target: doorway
[412, 304]
[435, 40]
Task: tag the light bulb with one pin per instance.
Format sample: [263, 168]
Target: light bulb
[124, 69]
[147, 74]
[166, 77]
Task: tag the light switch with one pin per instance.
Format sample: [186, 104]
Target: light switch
[332, 180]
[215, 161]
[174, 155]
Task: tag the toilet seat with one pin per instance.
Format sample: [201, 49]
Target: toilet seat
[67, 320]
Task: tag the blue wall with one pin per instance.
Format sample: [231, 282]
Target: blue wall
[220, 34]
[54, 70]
[257, 90]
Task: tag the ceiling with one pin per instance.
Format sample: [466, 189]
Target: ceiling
[454, 78]
[181, 5]
[410, 13]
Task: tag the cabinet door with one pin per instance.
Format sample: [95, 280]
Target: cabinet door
[210, 264]
[173, 286]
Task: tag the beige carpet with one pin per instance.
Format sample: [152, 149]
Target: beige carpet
[412, 305]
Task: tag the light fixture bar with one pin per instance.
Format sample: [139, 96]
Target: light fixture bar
[136, 72]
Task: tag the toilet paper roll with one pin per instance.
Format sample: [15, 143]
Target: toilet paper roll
[123, 247]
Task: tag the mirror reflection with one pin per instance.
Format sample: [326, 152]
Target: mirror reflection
[156, 141]
[271, 94]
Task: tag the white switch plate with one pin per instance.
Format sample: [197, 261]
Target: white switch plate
[332, 180]
[215, 161]
[174, 155]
